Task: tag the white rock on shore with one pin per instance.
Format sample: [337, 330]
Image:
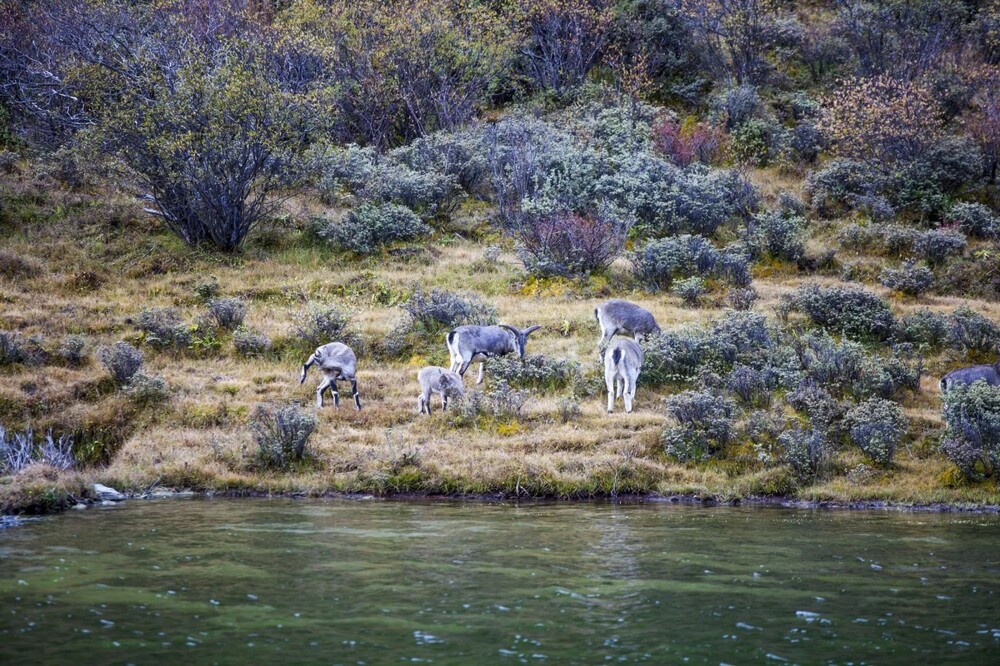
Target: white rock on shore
[107, 494]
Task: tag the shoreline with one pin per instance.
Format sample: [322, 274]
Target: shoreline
[31, 510]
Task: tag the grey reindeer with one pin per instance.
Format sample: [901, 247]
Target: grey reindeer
[617, 316]
[988, 373]
[337, 362]
[434, 379]
[469, 344]
[622, 363]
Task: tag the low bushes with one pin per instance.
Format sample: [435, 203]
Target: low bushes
[909, 279]
[658, 262]
[534, 371]
[281, 434]
[568, 243]
[705, 425]
[876, 426]
[369, 228]
[776, 235]
[122, 360]
[974, 219]
[318, 325]
[163, 328]
[972, 438]
[250, 343]
[228, 313]
[856, 313]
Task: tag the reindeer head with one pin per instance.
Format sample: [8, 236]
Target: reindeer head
[521, 337]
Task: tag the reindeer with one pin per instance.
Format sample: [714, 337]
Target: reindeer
[337, 362]
[617, 316]
[988, 373]
[438, 380]
[468, 344]
[622, 363]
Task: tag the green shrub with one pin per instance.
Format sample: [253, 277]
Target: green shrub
[498, 403]
[671, 356]
[876, 427]
[972, 438]
[443, 310]
[122, 360]
[807, 451]
[909, 279]
[742, 298]
[281, 434]
[11, 348]
[776, 235]
[924, 328]
[705, 425]
[824, 411]
[970, 331]
[974, 219]
[147, 389]
[369, 228]
[690, 290]
[833, 189]
[936, 245]
[856, 313]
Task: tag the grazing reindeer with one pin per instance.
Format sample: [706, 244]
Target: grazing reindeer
[438, 380]
[616, 316]
[337, 362]
[988, 373]
[622, 362]
[468, 344]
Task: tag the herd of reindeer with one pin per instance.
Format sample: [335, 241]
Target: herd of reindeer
[471, 344]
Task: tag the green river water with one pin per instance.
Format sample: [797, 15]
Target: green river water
[387, 582]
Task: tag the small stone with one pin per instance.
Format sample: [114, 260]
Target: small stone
[108, 503]
[80, 506]
[108, 494]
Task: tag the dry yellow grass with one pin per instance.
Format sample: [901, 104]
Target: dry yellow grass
[101, 264]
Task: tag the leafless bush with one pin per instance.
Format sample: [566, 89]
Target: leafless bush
[568, 243]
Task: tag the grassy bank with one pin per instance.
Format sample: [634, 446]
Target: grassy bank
[86, 263]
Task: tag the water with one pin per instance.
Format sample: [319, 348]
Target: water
[381, 582]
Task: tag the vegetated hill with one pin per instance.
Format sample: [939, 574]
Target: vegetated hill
[812, 221]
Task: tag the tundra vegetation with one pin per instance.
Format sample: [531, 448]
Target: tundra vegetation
[804, 197]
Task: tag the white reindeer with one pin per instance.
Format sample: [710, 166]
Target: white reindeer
[622, 362]
[337, 362]
[437, 380]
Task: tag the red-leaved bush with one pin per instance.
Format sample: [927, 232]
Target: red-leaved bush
[568, 243]
[699, 142]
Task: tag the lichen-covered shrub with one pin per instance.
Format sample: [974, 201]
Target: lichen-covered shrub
[856, 313]
[909, 279]
[705, 425]
[876, 427]
[690, 290]
[806, 450]
[317, 325]
[281, 434]
[439, 309]
[498, 403]
[534, 371]
[835, 365]
[249, 342]
[972, 332]
[228, 313]
[833, 189]
[733, 267]
[671, 356]
[936, 245]
[11, 348]
[888, 376]
[752, 387]
[163, 328]
[972, 439]
[146, 389]
[742, 298]
[775, 235]
[738, 337]
[893, 240]
[974, 219]
[122, 360]
[824, 411]
[658, 262]
[369, 228]
[74, 350]
[925, 328]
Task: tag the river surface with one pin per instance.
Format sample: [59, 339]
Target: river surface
[386, 582]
